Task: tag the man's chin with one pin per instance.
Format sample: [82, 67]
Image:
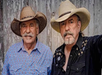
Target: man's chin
[68, 42]
[28, 42]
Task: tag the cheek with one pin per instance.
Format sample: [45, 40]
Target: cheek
[76, 32]
[22, 31]
[62, 32]
[34, 31]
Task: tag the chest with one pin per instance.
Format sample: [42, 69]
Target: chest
[75, 61]
[25, 64]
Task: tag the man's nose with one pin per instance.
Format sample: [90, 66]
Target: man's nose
[28, 29]
[67, 27]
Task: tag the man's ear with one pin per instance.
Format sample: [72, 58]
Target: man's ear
[79, 24]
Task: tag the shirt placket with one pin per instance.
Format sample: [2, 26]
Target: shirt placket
[72, 58]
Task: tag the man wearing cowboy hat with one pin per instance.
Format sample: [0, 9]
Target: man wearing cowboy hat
[78, 55]
[29, 57]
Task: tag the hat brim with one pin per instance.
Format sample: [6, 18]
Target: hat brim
[15, 27]
[83, 13]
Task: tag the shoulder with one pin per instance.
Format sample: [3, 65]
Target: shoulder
[59, 56]
[14, 47]
[43, 46]
[45, 50]
[60, 48]
[59, 52]
[94, 38]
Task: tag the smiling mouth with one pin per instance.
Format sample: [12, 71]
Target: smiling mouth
[28, 36]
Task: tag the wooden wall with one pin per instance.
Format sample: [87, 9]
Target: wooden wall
[1, 36]
[12, 8]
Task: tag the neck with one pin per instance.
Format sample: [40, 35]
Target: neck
[29, 46]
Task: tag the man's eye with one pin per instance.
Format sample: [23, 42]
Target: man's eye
[23, 25]
[71, 21]
[62, 23]
[31, 25]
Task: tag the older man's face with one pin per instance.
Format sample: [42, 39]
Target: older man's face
[70, 29]
[29, 31]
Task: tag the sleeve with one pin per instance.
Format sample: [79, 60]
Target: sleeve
[5, 70]
[100, 50]
[96, 49]
[97, 42]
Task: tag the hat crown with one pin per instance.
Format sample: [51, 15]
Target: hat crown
[27, 12]
[66, 6]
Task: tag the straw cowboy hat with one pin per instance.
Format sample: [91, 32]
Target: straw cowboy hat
[66, 10]
[27, 14]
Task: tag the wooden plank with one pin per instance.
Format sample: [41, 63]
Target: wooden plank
[85, 5]
[91, 24]
[1, 37]
[99, 23]
[96, 10]
[42, 8]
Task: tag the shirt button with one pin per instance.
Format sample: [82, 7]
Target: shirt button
[56, 64]
[77, 69]
[85, 40]
[76, 48]
[79, 54]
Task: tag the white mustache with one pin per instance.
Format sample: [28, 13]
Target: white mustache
[67, 33]
[27, 34]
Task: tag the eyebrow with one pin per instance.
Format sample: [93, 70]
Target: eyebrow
[70, 19]
[22, 23]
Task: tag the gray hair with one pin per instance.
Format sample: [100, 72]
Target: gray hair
[37, 22]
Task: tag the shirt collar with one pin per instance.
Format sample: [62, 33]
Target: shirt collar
[35, 48]
[79, 41]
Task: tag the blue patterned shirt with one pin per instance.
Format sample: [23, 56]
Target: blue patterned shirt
[19, 62]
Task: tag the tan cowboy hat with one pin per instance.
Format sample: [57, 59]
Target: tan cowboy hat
[27, 14]
[66, 10]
